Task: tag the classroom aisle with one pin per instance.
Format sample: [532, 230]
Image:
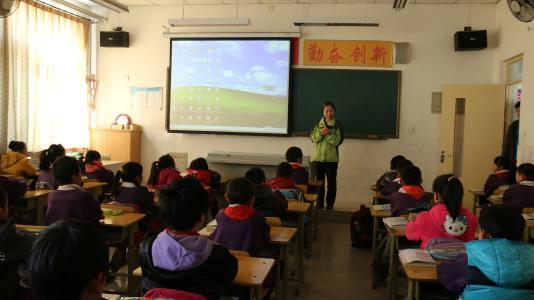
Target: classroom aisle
[336, 269]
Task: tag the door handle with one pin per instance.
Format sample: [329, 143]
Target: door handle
[443, 155]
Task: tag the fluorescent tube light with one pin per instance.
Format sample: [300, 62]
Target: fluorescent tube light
[335, 22]
[232, 34]
[112, 5]
[210, 22]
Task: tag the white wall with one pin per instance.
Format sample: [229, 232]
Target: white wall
[515, 37]
[428, 28]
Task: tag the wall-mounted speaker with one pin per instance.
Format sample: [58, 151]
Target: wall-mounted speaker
[114, 39]
[469, 40]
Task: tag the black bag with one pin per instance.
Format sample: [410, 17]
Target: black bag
[361, 228]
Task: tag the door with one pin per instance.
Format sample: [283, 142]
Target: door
[472, 123]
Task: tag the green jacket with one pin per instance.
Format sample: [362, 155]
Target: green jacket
[326, 146]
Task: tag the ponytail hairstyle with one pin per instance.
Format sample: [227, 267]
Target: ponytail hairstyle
[49, 156]
[17, 146]
[164, 162]
[199, 164]
[451, 192]
[128, 173]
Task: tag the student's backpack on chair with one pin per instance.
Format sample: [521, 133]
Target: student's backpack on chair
[361, 228]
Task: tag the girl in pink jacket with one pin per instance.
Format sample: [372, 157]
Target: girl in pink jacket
[448, 218]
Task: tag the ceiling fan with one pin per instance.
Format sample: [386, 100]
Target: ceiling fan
[523, 10]
[7, 7]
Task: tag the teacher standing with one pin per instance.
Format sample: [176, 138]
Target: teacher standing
[327, 136]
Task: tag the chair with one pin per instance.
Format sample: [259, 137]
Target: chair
[173, 294]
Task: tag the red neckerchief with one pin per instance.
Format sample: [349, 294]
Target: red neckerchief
[239, 212]
[502, 174]
[93, 167]
[414, 190]
[294, 165]
[177, 233]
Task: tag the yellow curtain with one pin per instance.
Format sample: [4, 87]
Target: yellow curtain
[47, 55]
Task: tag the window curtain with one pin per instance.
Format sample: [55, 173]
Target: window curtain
[44, 98]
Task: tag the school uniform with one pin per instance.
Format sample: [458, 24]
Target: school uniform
[299, 175]
[281, 183]
[267, 202]
[391, 187]
[496, 180]
[131, 194]
[17, 164]
[438, 223]
[166, 177]
[239, 227]
[14, 188]
[491, 269]
[98, 172]
[206, 177]
[409, 196]
[519, 196]
[188, 262]
[15, 247]
[386, 178]
[70, 201]
[47, 179]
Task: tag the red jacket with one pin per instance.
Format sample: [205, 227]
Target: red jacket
[281, 183]
[166, 177]
[437, 223]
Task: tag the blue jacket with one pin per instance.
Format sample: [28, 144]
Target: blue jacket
[507, 269]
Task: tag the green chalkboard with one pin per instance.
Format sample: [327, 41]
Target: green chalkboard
[367, 102]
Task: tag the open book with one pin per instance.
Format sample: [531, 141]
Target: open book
[382, 207]
[416, 257]
[395, 222]
[528, 216]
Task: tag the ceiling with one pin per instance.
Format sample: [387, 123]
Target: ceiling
[215, 2]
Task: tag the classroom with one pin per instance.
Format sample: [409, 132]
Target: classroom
[61, 84]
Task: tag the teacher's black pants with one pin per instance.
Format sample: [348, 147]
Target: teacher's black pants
[330, 170]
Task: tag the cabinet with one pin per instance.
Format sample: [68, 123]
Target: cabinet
[117, 144]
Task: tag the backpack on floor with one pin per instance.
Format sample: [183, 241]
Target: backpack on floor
[361, 228]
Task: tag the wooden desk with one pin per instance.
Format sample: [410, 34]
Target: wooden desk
[251, 272]
[95, 187]
[417, 274]
[376, 194]
[377, 214]
[31, 228]
[394, 233]
[315, 183]
[300, 208]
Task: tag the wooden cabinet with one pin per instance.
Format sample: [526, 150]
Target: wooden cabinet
[118, 144]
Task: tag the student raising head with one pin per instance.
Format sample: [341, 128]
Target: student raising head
[294, 156]
[69, 261]
[94, 169]
[163, 172]
[128, 189]
[390, 175]
[269, 203]
[411, 194]
[497, 266]
[46, 160]
[15, 247]
[448, 218]
[16, 163]
[199, 169]
[521, 195]
[178, 258]
[239, 227]
[283, 178]
[70, 201]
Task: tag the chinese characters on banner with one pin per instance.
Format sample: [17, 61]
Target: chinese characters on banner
[348, 53]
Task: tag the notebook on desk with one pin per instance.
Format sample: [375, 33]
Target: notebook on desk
[395, 222]
[416, 258]
[381, 207]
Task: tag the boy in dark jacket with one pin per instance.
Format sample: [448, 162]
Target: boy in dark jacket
[521, 195]
[283, 179]
[390, 175]
[15, 248]
[269, 203]
[294, 157]
[178, 258]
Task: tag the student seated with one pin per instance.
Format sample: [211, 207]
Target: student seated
[239, 227]
[199, 169]
[14, 188]
[47, 158]
[521, 195]
[70, 201]
[395, 185]
[178, 258]
[16, 163]
[15, 247]
[94, 169]
[390, 175]
[283, 178]
[269, 203]
[448, 218]
[411, 194]
[501, 175]
[294, 156]
[497, 266]
[163, 172]
[128, 189]
[69, 261]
